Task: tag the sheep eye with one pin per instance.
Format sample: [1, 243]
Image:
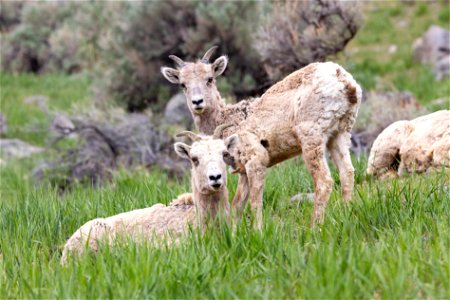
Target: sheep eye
[209, 81]
[226, 155]
[183, 86]
[195, 161]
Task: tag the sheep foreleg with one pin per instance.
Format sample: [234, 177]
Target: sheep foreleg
[256, 173]
[240, 198]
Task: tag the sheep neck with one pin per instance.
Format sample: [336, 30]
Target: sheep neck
[210, 205]
[212, 117]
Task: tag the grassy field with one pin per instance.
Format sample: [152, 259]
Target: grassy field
[392, 241]
[29, 121]
[390, 24]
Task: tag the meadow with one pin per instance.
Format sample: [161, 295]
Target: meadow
[391, 241]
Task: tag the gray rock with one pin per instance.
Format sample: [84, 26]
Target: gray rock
[14, 148]
[433, 48]
[177, 111]
[61, 125]
[303, 197]
[3, 124]
[38, 100]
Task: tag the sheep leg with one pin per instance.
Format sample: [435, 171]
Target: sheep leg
[313, 146]
[240, 198]
[256, 173]
[340, 154]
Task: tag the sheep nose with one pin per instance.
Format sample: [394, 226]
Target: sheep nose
[215, 178]
[197, 102]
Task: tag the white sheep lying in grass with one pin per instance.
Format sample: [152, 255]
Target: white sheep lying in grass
[412, 146]
[167, 223]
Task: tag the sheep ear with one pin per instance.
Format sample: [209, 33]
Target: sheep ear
[219, 65]
[182, 150]
[171, 74]
[231, 142]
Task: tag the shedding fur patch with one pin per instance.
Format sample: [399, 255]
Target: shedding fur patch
[350, 90]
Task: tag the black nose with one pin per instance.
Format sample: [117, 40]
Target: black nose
[215, 178]
[197, 102]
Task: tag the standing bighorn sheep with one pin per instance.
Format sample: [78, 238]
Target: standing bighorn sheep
[209, 198]
[198, 81]
[309, 111]
[412, 146]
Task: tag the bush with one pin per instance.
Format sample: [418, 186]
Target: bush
[146, 34]
[152, 31]
[128, 42]
[26, 48]
[295, 34]
[10, 12]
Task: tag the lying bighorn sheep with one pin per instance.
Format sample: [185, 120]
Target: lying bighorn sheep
[310, 110]
[209, 197]
[412, 146]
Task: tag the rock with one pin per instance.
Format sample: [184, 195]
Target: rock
[177, 111]
[442, 103]
[392, 49]
[14, 148]
[303, 197]
[433, 48]
[107, 141]
[379, 111]
[38, 100]
[402, 23]
[61, 125]
[3, 124]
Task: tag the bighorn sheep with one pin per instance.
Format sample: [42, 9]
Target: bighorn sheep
[209, 198]
[310, 110]
[412, 146]
[198, 81]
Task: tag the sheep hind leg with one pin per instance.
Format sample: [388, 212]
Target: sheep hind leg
[339, 148]
[313, 149]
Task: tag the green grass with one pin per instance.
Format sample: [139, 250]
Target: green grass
[390, 23]
[390, 242]
[27, 121]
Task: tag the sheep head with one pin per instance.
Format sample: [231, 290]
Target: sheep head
[198, 80]
[207, 155]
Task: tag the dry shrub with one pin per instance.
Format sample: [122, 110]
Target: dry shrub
[147, 33]
[64, 44]
[150, 31]
[10, 12]
[126, 43]
[26, 48]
